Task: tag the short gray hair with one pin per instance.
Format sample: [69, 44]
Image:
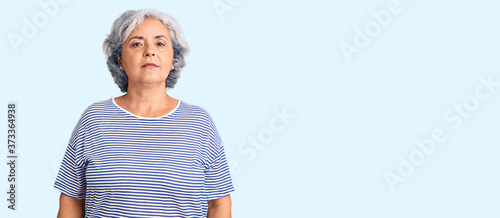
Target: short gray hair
[121, 30]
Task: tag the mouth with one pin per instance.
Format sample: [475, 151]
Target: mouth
[149, 65]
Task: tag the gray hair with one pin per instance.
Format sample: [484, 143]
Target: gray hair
[121, 30]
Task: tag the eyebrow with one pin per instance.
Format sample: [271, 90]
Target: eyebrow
[136, 37]
[140, 37]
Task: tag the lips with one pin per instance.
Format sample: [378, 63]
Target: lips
[149, 65]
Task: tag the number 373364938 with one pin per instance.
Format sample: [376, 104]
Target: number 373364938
[11, 131]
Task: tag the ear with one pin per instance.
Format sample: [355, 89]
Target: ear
[119, 59]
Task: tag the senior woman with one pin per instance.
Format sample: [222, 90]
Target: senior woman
[145, 153]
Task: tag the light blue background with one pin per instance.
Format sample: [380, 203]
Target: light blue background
[352, 120]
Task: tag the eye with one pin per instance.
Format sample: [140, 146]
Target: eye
[160, 44]
[136, 44]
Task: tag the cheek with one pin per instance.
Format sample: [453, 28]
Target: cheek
[128, 58]
[170, 55]
[167, 57]
[124, 57]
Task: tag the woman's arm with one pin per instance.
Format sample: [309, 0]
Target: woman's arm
[71, 207]
[220, 208]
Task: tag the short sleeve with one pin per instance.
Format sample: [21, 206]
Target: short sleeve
[71, 179]
[218, 181]
[217, 178]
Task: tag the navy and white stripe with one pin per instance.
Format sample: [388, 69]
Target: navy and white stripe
[124, 165]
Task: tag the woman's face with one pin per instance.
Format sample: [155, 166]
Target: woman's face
[147, 54]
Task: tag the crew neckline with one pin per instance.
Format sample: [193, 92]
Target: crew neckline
[149, 118]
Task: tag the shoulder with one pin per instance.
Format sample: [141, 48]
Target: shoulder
[194, 110]
[98, 107]
[87, 118]
[197, 114]
[94, 110]
[90, 116]
[203, 123]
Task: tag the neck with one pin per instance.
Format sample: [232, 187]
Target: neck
[151, 102]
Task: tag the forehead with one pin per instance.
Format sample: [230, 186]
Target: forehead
[150, 27]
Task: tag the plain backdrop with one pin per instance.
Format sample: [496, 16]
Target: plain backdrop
[316, 101]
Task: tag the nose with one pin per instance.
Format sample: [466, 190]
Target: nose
[149, 50]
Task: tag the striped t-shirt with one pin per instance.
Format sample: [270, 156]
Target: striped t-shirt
[125, 165]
